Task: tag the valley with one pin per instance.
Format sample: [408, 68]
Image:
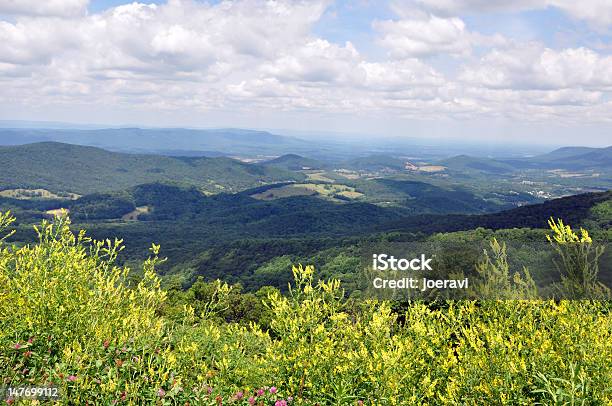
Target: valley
[245, 221]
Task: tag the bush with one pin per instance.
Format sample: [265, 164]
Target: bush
[69, 318]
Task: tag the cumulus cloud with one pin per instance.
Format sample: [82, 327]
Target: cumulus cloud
[266, 56]
[417, 32]
[58, 8]
[316, 61]
[422, 37]
[596, 12]
[533, 66]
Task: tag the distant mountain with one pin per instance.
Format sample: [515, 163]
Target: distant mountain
[72, 168]
[465, 163]
[568, 158]
[593, 158]
[374, 163]
[170, 141]
[563, 153]
[294, 162]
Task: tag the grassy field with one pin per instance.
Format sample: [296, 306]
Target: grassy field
[309, 189]
[26, 194]
[133, 215]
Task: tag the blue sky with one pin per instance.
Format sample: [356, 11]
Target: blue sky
[527, 70]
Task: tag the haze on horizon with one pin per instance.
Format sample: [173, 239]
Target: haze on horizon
[533, 71]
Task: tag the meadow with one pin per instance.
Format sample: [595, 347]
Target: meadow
[71, 317]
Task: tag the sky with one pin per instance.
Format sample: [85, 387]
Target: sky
[535, 71]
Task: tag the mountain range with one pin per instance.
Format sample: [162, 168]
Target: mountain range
[80, 169]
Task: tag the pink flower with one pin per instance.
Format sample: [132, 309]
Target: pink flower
[27, 354]
[239, 395]
[251, 401]
[72, 378]
[30, 340]
[280, 403]
[17, 346]
[123, 395]
[106, 344]
[260, 392]
[360, 402]
[161, 393]
[273, 390]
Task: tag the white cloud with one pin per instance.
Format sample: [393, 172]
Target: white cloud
[396, 76]
[533, 66]
[316, 61]
[58, 8]
[422, 37]
[596, 12]
[264, 57]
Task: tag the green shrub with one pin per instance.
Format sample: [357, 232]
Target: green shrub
[68, 318]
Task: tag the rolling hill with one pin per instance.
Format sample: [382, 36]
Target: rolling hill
[374, 163]
[465, 163]
[293, 162]
[567, 158]
[169, 141]
[79, 169]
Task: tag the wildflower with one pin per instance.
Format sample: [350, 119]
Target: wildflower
[239, 395]
[72, 378]
[123, 395]
[260, 392]
[209, 390]
[219, 400]
[30, 340]
[161, 393]
[280, 403]
[273, 390]
[360, 402]
[17, 346]
[118, 362]
[27, 354]
[106, 344]
[10, 401]
[290, 399]
[251, 401]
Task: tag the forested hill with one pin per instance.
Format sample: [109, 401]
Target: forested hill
[170, 141]
[573, 209]
[569, 158]
[78, 169]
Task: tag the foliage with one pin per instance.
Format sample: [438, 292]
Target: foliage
[579, 262]
[495, 280]
[80, 169]
[69, 318]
